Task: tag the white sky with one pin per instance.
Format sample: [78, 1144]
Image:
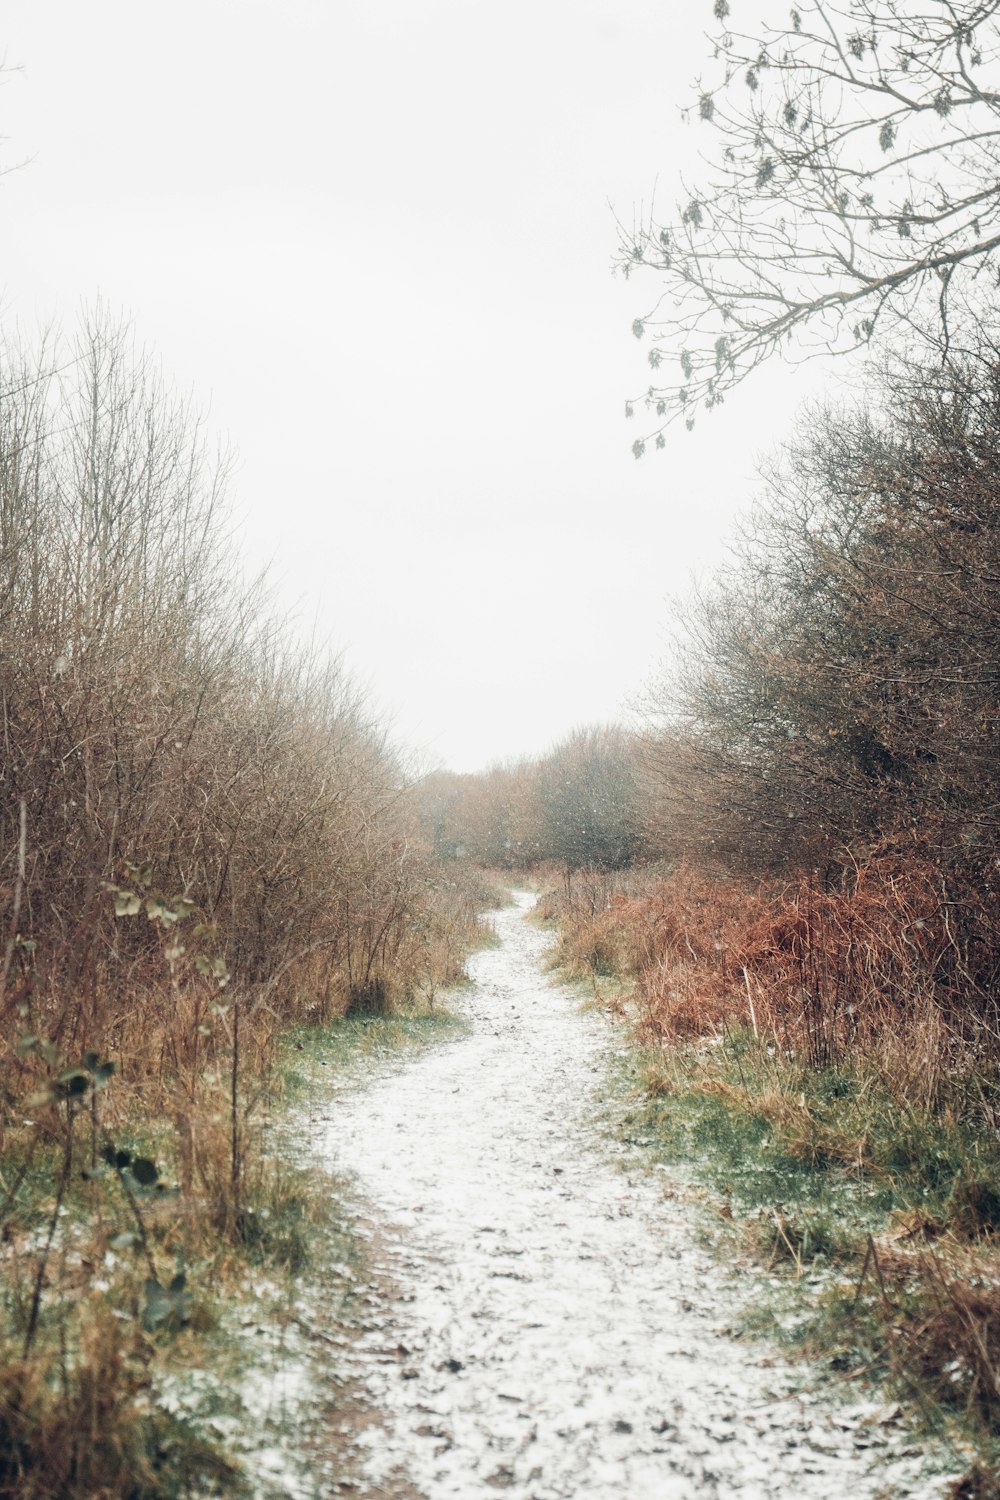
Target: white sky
[375, 235]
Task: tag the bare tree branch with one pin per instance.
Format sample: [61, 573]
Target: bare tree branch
[851, 189]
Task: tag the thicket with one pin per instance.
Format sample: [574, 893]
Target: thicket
[205, 836]
[831, 724]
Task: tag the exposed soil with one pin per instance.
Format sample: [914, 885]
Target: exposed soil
[544, 1321]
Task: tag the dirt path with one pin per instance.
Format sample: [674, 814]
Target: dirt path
[557, 1332]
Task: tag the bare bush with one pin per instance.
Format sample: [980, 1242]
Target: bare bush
[839, 680]
[155, 716]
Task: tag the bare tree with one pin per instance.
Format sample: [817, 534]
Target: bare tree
[851, 190]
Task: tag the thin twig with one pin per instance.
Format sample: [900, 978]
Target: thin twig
[15, 911]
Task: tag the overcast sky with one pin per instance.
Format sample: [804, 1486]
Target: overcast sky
[376, 237]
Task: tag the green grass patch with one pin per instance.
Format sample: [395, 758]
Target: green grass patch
[312, 1055]
[767, 1130]
[878, 1226]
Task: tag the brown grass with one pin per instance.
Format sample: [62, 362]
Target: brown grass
[206, 837]
[896, 963]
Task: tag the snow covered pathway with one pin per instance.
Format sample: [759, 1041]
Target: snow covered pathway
[552, 1329]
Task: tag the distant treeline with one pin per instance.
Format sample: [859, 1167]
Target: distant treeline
[579, 806]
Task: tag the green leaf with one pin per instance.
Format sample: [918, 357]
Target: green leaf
[181, 1306]
[26, 1044]
[124, 1241]
[158, 1305]
[127, 904]
[162, 1304]
[90, 1061]
[144, 1171]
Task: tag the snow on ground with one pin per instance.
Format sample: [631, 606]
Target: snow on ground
[545, 1322]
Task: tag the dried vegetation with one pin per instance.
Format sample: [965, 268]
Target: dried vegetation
[205, 838]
